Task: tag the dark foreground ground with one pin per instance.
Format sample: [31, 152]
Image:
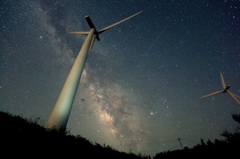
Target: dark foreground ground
[20, 137]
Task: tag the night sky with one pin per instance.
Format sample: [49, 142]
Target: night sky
[140, 89]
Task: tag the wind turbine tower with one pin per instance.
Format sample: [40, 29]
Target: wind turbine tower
[60, 114]
[179, 139]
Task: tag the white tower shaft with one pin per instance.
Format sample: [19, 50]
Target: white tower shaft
[62, 109]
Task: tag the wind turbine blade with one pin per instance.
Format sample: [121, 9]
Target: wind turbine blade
[238, 97]
[223, 82]
[214, 93]
[234, 97]
[110, 26]
[80, 32]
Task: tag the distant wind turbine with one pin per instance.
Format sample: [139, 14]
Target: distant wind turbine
[224, 90]
[60, 114]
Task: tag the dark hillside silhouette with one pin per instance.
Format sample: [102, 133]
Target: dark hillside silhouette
[20, 137]
[230, 147]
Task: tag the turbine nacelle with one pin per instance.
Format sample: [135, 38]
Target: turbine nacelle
[227, 88]
[91, 25]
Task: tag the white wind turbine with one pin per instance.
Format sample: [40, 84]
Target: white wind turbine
[60, 114]
[224, 90]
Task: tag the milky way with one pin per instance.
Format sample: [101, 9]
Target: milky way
[113, 110]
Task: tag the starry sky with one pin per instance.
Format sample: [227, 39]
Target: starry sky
[140, 88]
